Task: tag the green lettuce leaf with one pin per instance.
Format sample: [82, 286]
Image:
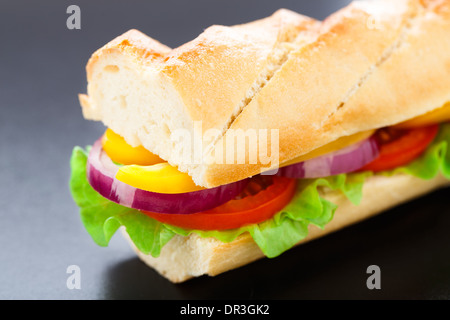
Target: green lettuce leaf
[434, 161]
[102, 217]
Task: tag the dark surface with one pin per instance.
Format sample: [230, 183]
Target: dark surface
[42, 71]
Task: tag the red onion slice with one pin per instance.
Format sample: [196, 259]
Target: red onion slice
[101, 172]
[345, 160]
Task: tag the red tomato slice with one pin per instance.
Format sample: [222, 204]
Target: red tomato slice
[262, 198]
[400, 146]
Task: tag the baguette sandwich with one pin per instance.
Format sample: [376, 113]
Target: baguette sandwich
[252, 139]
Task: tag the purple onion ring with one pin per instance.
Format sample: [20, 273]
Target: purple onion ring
[345, 160]
[101, 173]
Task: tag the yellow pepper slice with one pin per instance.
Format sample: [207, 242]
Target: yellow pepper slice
[439, 115]
[143, 169]
[160, 178]
[121, 152]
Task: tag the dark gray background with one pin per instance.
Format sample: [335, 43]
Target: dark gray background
[42, 69]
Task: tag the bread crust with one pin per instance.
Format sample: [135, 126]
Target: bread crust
[381, 62]
[205, 81]
[374, 78]
[184, 258]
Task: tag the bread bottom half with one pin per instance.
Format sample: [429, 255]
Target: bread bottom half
[183, 258]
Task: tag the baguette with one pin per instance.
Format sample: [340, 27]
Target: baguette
[373, 80]
[184, 258]
[374, 58]
[371, 65]
[207, 80]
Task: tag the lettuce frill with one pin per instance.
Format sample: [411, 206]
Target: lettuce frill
[102, 217]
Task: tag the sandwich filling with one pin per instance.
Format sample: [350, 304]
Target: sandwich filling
[115, 185]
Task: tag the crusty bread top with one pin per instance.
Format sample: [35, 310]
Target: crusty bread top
[371, 64]
[145, 92]
[370, 67]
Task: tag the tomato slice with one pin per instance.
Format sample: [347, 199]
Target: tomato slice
[400, 146]
[262, 198]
